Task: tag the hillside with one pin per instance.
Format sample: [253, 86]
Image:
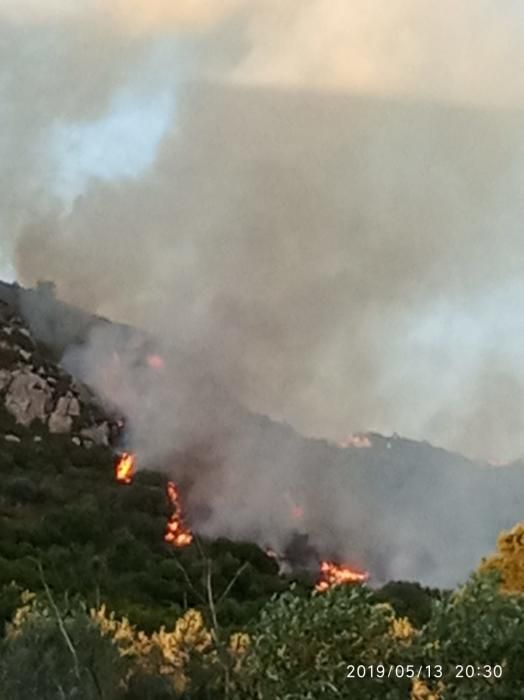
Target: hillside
[399, 508]
[61, 506]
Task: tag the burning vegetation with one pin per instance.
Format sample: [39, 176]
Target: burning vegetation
[332, 574]
[125, 468]
[177, 533]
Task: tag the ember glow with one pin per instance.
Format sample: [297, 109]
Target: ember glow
[177, 533]
[155, 362]
[332, 574]
[358, 440]
[297, 512]
[125, 468]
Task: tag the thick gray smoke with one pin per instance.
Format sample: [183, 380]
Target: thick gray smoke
[339, 262]
[331, 228]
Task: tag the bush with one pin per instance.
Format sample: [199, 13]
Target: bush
[23, 490]
[45, 658]
[408, 599]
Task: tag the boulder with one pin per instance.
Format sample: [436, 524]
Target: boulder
[5, 378]
[28, 397]
[99, 434]
[61, 419]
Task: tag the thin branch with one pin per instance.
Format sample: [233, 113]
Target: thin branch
[188, 581]
[230, 585]
[60, 690]
[210, 598]
[59, 619]
[222, 652]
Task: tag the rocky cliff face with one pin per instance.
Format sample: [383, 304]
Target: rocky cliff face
[34, 390]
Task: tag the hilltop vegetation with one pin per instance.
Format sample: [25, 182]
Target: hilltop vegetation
[96, 605]
[338, 644]
[60, 505]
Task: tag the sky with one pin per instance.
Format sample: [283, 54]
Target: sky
[119, 145]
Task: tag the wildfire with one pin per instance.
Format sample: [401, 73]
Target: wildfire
[155, 362]
[358, 440]
[177, 533]
[297, 512]
[332, 574]
[125, 468]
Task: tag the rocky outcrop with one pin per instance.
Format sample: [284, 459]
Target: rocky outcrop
[34, 388]
[28, 397]
[99, 434]
[61, 419]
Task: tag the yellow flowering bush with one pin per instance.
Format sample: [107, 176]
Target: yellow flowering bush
[239, 644]
[508, 561]
[421, 691]
[170, 653]
[22, 613]
[402, 630]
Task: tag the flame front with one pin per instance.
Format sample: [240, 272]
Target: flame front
[332, 574]
[125, 468]
[177, 533]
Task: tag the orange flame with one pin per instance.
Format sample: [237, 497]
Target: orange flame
[332, 574]
[177, 533]
[125, 468]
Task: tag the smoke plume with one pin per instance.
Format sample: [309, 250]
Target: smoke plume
[331, 226]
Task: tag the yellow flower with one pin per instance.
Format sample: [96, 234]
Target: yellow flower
[27, 597]
[239, 643]
[402, 629]
[28, 600]
[508, 560]
[420, 691]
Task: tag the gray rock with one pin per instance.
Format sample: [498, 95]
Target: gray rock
[12, 438]
[99, 434]
[82, 392]
[61, 420]
[28, 397]
[5, 378]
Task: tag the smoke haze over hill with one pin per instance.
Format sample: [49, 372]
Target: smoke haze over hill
[332, 223]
